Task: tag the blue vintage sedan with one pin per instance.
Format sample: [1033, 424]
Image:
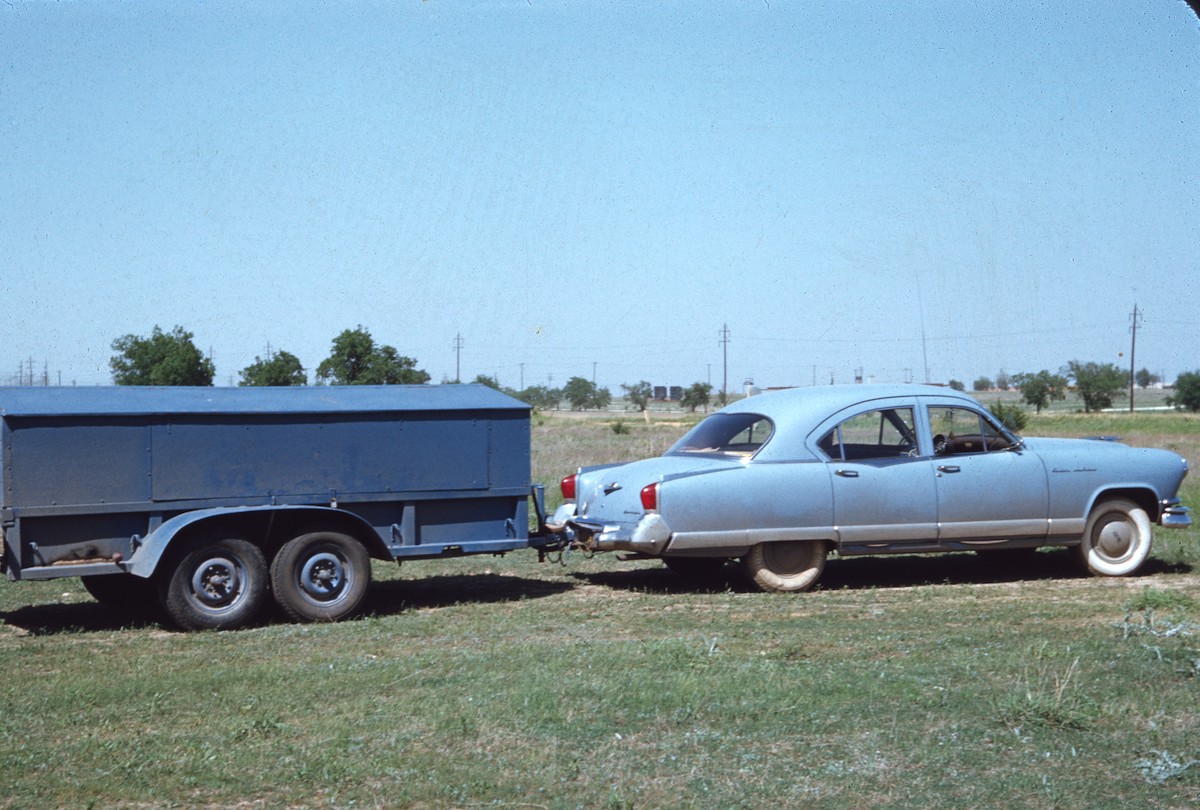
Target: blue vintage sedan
[779, 480]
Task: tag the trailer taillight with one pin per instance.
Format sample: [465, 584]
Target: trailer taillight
[650, 497]
[567, 485]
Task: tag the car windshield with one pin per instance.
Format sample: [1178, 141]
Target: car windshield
[727, 434]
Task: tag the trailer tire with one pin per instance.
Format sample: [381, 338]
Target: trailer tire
[321, 577]
[216, 586]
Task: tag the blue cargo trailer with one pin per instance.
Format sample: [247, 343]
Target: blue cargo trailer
[212, 500]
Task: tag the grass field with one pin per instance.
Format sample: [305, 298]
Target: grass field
[501, 682]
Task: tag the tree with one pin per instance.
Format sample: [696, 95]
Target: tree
[956, 385]
[697, 395]
[280, 368]
[490, 382]
[584, 394]
[356, 360]
[578, 391]
[1011, 416]
[639, 394]
[982, 384]
[1187, 391]
[541, 397]
[1145, 379]
[1096, 383]
[1039, 389]
[164, 358]
[1002, 381]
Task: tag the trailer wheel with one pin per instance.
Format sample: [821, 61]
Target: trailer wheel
[321, 577]
[218, 586]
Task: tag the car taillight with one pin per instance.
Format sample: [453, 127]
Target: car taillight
[650, 497]
[567, 485]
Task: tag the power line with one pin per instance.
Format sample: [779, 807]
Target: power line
[725, 362]
[1134, 319]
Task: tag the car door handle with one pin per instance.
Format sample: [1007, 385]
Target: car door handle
[949, 468]
[847, 473]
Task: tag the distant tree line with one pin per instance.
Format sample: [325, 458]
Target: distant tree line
[1097, 385]
[172, 358]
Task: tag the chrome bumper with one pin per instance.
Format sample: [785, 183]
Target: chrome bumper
[1175, 515]
[649, 536]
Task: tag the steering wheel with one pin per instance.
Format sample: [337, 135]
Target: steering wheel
[939, 445]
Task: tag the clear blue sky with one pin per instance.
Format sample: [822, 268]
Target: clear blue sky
[585, 186]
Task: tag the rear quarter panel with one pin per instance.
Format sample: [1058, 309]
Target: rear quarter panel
[741, 506]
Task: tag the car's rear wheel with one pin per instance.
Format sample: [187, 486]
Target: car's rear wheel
[786, 567]
[1116, 540]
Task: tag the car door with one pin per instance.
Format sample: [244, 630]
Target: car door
[883, 490]
[987, 487]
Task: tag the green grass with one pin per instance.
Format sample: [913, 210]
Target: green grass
[501, 682]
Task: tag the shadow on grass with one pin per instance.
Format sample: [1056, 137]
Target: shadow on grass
[386, 598]
[83, 617]
[885, 571]
[396, 596]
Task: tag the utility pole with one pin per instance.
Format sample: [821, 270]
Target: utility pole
[593, 373]
[1134, 319]
[725, 363]
[458, 344]
[522, 365]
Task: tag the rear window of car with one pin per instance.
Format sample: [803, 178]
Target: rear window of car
[726, 434]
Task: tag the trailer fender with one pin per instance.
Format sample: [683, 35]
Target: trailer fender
[145, 559]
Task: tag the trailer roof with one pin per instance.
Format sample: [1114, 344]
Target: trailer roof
[131, 400]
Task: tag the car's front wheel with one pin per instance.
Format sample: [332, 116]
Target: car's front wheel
[786, 567]
[1116, 540]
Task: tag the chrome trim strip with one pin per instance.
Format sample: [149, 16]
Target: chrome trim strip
[744, 538]
[1071, 526]
[887, 533]
[982, 529]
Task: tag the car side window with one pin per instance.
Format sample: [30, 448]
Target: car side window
[887, 433]
[957, 431]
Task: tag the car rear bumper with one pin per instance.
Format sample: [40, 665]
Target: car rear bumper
[650, 535]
